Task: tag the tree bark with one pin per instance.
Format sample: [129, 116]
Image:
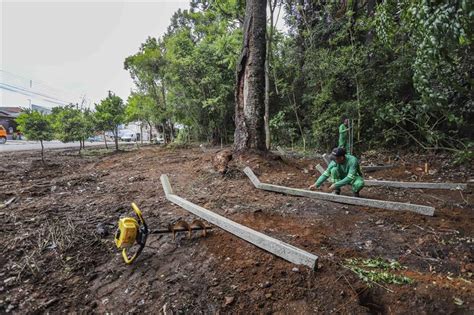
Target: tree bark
[141, 133]
[151, 132]
[105, 140]
[250, 87]
[267, 76]
[42, 151]
[116, 139]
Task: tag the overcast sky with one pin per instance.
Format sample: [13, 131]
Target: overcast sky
[71, 48]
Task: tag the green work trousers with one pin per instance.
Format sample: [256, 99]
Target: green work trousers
[357, 183]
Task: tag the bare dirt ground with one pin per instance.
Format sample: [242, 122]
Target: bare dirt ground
[55, 257]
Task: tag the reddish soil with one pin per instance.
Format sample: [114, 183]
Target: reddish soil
[57, 259]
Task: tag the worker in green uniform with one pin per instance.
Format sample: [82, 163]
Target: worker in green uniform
[343, 135]
[343, 170]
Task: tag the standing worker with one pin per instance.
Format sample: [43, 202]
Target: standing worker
[344, 135]
[343, 170]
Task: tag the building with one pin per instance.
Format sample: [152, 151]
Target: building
[145, 129]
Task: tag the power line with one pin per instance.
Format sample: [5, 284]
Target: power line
[26, 93]
[23, 85]
[28, 81]
[31, 92]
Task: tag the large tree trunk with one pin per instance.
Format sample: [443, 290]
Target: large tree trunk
[250, 88]
[116, 139]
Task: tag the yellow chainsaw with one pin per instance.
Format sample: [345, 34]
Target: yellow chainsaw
[131, 231]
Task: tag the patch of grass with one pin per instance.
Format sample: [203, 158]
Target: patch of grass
[377, 271]
[95, 152]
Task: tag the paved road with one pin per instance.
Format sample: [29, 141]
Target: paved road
[33, 145]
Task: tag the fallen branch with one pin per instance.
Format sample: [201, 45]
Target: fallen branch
[7, 203]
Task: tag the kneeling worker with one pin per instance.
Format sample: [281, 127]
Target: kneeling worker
[343, 170]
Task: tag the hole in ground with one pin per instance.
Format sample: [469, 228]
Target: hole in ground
[367, 300]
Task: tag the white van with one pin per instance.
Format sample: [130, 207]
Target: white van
[128, 135]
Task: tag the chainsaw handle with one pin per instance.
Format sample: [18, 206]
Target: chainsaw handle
[139, 214]
[128, 260]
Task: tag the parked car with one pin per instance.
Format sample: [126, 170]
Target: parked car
[158, 140]
[3, 135]
[128, 136]
[95, 139]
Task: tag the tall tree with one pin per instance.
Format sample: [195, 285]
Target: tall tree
[250, 88]
[147, 69]
[141, 108]
[72, 124]
[35, 126]
[111, 113]
[272, 24]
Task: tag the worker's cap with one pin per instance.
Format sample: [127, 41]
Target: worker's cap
[338, 152]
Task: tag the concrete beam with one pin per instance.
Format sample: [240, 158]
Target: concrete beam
[387, 183]
[272, 245]
[281, 151]
[326, 159]
[377, 167]
[419, 185]
[293, 154]
[388, 205]
[320, 168]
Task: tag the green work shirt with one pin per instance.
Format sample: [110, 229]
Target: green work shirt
[347, 170]
[342, 136]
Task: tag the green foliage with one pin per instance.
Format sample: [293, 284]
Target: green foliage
[402, 70]
[281, 130]
[183, 136]
[377, 271]
[465, 156]
[142, 108]
[35, 126]
[189, 72]
[72, 124]
[110, 113]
